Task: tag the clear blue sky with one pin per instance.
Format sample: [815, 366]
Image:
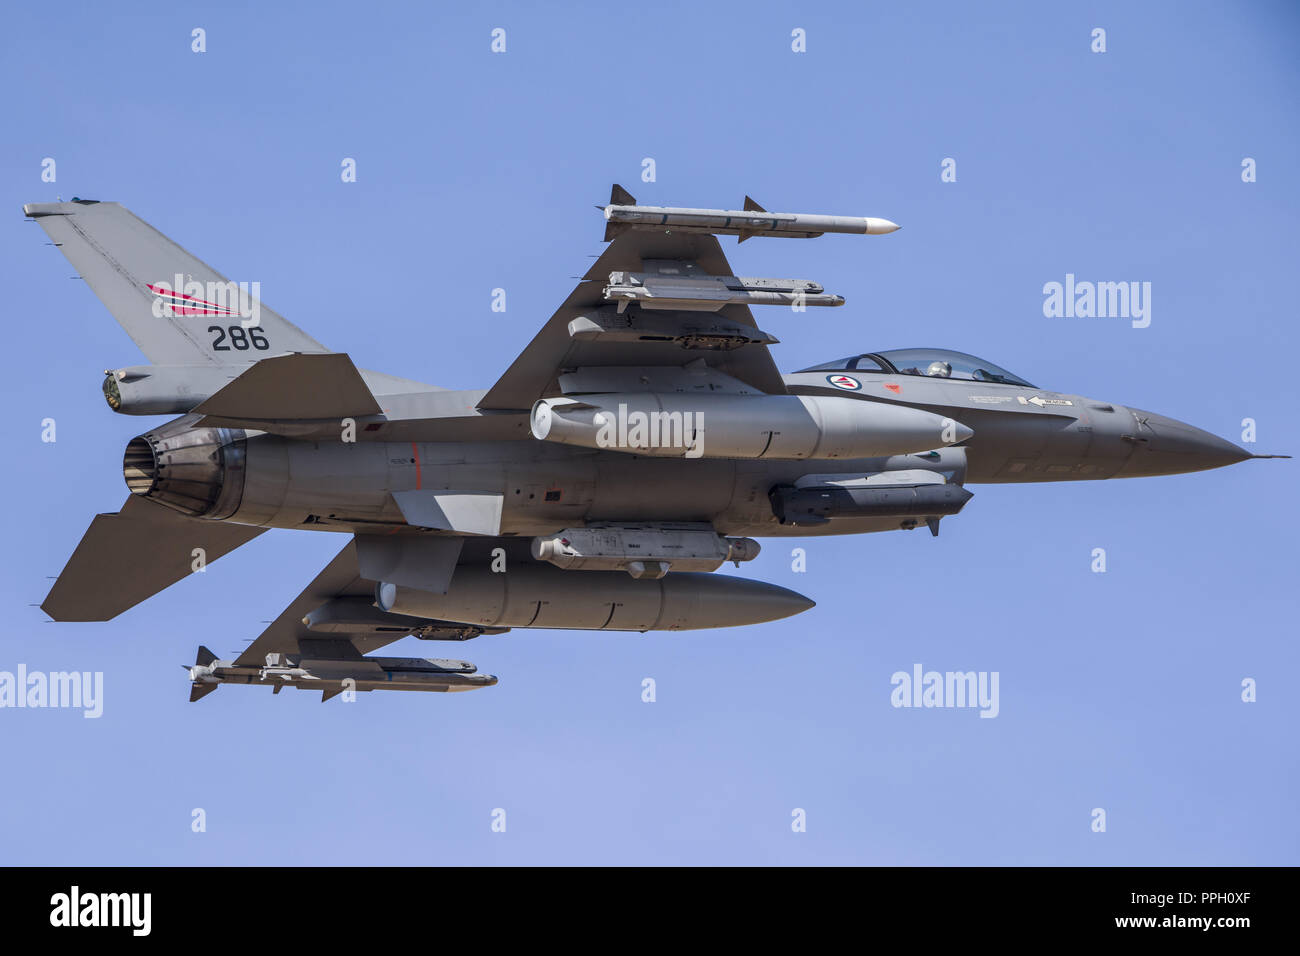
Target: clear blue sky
[1118, 690]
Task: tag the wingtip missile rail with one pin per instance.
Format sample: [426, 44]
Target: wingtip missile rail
[623, 213]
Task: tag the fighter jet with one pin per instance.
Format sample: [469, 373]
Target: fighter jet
[641, 440]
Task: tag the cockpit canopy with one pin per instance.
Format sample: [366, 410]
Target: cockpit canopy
[938, 363]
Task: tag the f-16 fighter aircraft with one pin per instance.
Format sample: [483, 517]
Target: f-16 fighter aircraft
[642, 439]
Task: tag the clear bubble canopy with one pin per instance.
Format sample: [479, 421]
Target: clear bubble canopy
[937, 363]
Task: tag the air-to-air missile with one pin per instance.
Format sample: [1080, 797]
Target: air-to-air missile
[623, 213]
[682, 291]
[332, 677]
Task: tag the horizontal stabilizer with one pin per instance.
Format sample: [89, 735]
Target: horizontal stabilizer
[128, 557]
[306, 386]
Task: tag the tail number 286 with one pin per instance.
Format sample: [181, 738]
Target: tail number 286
[240, 337]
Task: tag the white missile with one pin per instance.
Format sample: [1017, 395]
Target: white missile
[623, 213]
[333, 676]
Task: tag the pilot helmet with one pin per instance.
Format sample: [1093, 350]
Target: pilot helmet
[939, 370]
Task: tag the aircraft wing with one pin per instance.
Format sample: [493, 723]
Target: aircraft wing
[348, 582]
[554, 349]
[340, 578]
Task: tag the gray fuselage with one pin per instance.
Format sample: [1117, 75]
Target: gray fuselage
[322, 482]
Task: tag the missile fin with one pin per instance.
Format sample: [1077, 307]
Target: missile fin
[751, 206]
[199, 691]
[327, 694]
[742, 235]
[204, 657]
[618, 196]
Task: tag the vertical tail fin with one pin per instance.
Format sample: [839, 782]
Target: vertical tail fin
[176, 308]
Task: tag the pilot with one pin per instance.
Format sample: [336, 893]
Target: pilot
[939, 370]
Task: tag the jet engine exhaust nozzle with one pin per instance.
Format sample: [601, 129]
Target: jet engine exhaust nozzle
[198, 472]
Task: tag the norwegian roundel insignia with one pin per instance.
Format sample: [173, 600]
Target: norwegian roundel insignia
[845, 382]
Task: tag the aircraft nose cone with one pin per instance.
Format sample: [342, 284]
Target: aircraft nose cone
[1166, 446]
